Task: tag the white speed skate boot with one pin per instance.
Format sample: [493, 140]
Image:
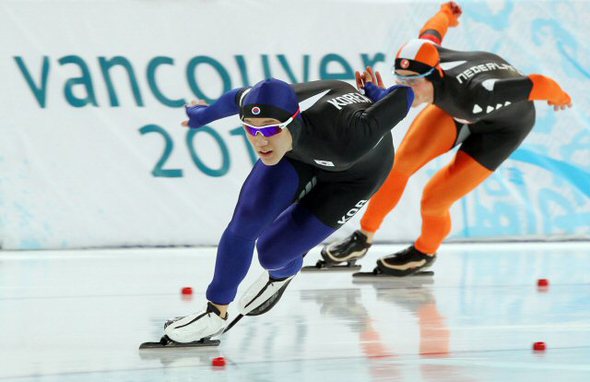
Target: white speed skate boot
[263, 295]
[195, 327]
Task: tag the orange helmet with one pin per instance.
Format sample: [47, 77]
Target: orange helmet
[420, 56]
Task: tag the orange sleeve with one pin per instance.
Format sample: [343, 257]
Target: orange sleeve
[545, 88]
[436, 28]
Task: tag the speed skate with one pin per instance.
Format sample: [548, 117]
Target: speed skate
[342, 255]
[324, 266]
[166, 342]
[379, 274]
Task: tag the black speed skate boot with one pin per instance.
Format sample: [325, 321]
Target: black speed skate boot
[406, 262]
[348, 250]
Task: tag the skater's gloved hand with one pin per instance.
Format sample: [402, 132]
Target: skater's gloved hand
[373, 92]
[192, 111]
[453, 12]
[377, 94]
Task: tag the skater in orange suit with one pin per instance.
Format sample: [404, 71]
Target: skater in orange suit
[475, 100]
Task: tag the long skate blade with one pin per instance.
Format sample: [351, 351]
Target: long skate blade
[420, 278]
[231, 324]
[322, 266]
[383, 276]
[165, 343]
[334, 268]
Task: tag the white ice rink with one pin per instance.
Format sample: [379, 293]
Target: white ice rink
[80, 316]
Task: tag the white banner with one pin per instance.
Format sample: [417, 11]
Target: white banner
[92, 153]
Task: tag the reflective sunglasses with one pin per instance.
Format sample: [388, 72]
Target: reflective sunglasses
[269, 130]
[411, 80]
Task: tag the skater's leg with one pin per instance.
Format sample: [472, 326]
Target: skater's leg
[267, 192]
[302, 226]
[447, 186]
[335, 204]
[432, 133]
[282, 246]
[280, 251]
[480, 155]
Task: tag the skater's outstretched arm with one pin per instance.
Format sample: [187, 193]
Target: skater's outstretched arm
[366, 128]
[200, 114]
[436, 28]
[546, 89]
[535, 87]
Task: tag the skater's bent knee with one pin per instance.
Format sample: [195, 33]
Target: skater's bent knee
[433, 203]
[270, 260]
[271, 256]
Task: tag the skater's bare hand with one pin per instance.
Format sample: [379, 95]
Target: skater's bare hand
[368, 76]
[194, 102]
[560, 107]
[561, 103]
